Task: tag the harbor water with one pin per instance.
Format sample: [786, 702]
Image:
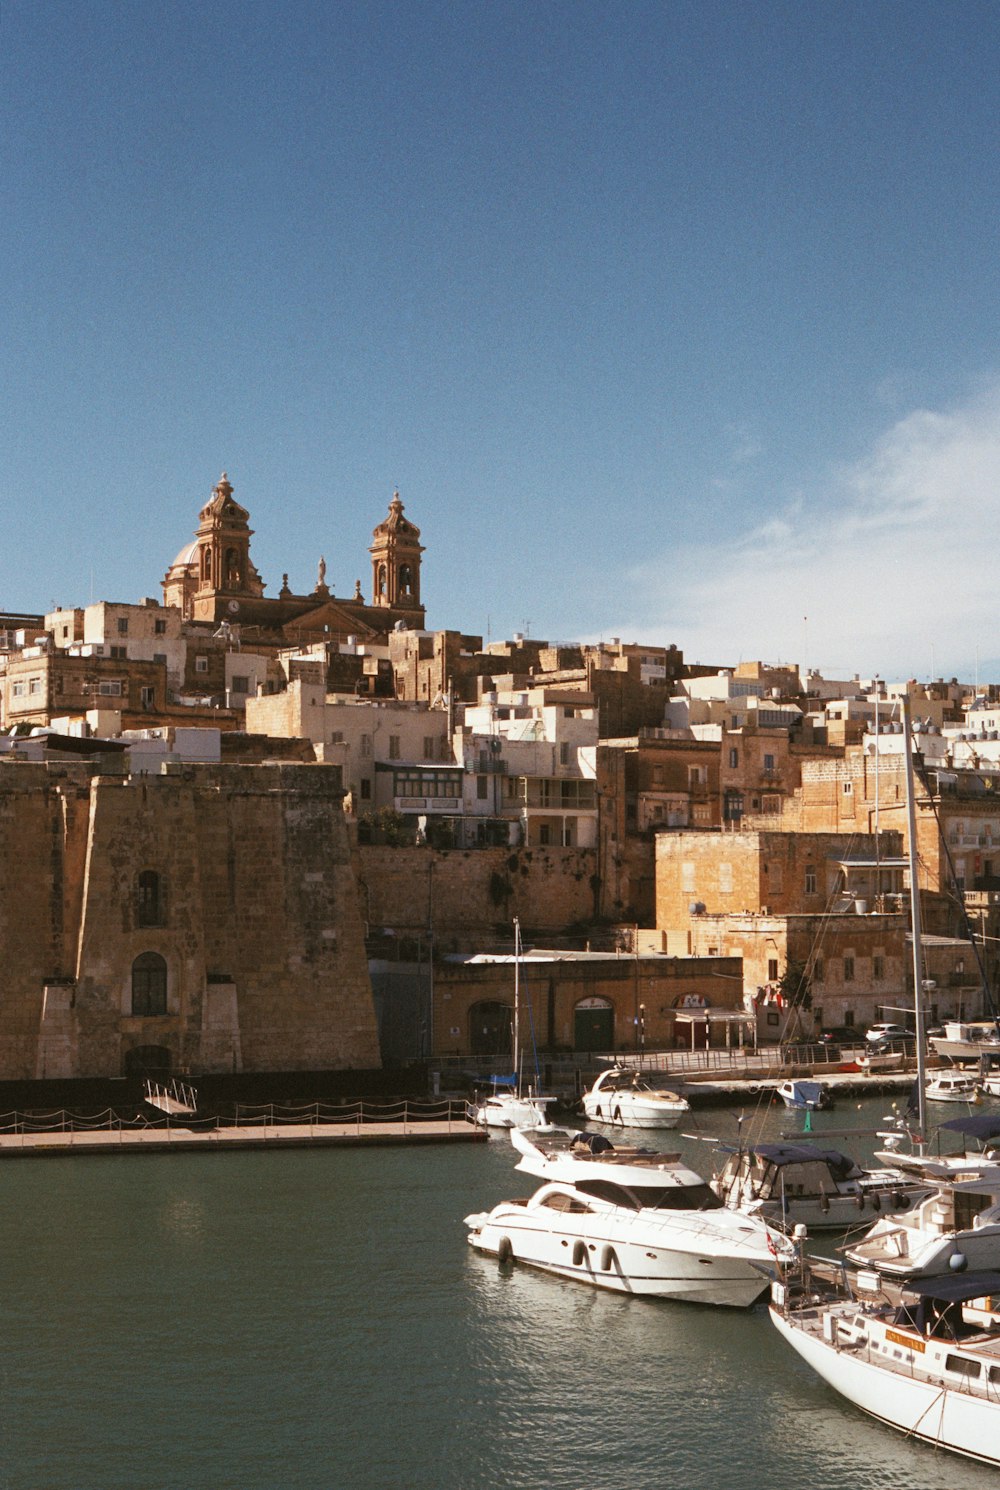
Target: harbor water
[315, 1319]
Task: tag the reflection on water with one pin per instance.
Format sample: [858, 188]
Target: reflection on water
[308, 1321]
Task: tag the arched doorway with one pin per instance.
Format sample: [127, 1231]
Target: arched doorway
[147, 1061]
[490, 1026]
[594, 1024]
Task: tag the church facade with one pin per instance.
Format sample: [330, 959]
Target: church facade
[213, 579]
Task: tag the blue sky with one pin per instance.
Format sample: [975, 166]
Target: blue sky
[676, 322]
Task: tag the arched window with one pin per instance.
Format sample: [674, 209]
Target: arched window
[232, 567]
[149, 984]
[405, 579]
[150, 900]
[206, 562]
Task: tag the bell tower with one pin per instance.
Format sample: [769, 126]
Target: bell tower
[395, 552]
[225, 569]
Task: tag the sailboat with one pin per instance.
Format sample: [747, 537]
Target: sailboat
[928, 1362]
[509, 1106]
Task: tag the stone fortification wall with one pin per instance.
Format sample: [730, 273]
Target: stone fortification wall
[471, 897]
[250, 921]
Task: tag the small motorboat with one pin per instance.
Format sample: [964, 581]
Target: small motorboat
[809, 1096]
[953, 1086]
[799, 1184]
[627, 1097]
[890, 1060]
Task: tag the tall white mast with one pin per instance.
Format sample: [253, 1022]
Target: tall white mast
[915, 928]
[517, 1005]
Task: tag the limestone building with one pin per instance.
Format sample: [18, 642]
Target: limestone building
[204, 919]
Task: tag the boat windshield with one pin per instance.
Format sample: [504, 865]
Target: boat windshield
[653, 1197]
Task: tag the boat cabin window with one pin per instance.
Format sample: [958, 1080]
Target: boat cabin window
[557, 1202]
[654, 1197]
[962, 1367]
[811, 1178]
[611, 1193]
[685, 1198]
[995, 1376]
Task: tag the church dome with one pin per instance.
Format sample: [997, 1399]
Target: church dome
[187, 556]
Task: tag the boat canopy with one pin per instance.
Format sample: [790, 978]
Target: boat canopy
[955, 1288]
[842, 1166]
[933, 1306]
[981, 1126]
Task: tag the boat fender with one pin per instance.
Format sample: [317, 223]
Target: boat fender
[505, 1250]
[824, 1203]
[754, 1089]
[859, 1201]
[608, 1259]
[579, 1254]
[616, 1116]
[876, 1202]
[901, 1201]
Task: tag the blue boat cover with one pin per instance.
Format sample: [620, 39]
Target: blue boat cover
[803, 1153]
[979, 1125]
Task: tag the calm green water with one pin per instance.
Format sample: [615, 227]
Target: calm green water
[301, 1321]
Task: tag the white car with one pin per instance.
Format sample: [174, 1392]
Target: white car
[878, 1032]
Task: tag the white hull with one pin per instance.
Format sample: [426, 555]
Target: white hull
[870, 1063]
[947, 1416]
[951, 1091]
[829, 1213]
[955, 1228]
[626, 1112]
[928, 1256]
[515, 1112]
[626, 1098]
[627, 1252]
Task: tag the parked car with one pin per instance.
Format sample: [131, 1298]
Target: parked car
[841, 1034]
[877, 1032]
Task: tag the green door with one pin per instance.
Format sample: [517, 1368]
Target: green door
[594, 1025]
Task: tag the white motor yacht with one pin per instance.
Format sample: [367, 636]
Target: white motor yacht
[954, 1227]
[628, 1098]
[983, 1128]
[793, 1184]
[928, 1365]
[630, 1221]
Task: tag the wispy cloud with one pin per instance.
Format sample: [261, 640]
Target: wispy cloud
[889, 565]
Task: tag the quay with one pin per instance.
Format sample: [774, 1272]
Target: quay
[719, 1090]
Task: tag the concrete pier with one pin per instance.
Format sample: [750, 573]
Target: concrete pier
[229, 1138]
